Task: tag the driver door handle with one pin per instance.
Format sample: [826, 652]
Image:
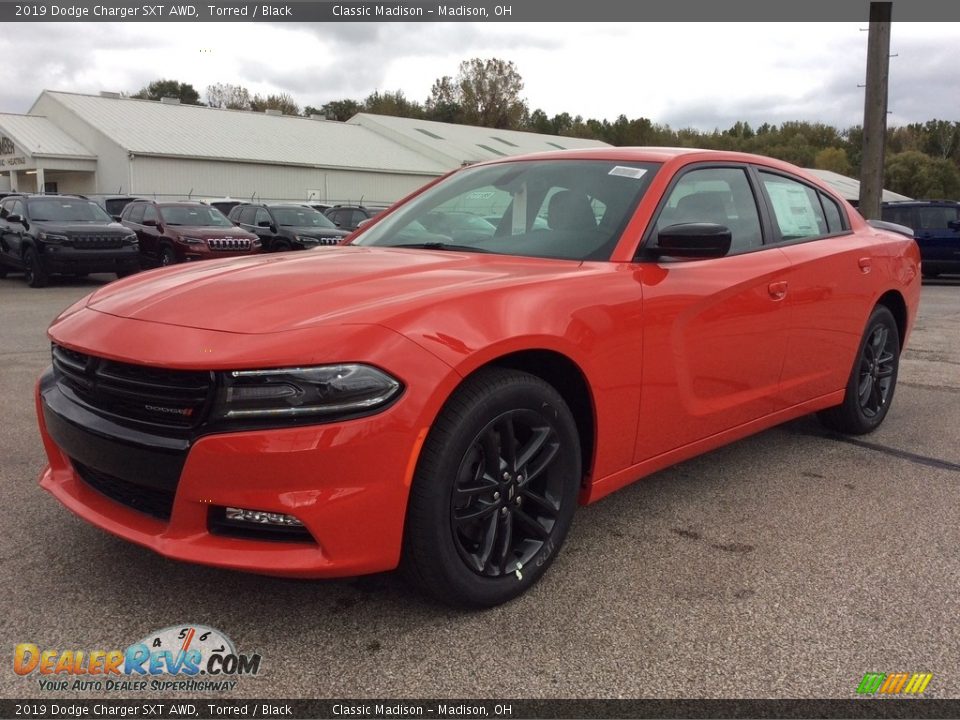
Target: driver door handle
[777, 290]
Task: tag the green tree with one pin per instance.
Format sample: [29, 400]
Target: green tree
[184, 92]
[341, 110]
[392, 103]
[918, 175]
[833, 159]
[485, 92]
[282, 102]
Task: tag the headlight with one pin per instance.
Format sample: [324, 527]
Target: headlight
[52, 238]
[130, 240]
[191, 240]
[305, 239]
[308, 392]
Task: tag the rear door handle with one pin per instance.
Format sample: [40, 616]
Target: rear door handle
[777, 290]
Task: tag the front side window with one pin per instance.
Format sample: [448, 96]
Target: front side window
[715, 195]
[565, 209]
[936, 217]
[796, 208]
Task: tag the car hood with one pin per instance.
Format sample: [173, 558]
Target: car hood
[290, 291]
[205, 231]
[319, 232]
[79, 227]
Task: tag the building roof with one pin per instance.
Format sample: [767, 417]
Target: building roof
[148, 127]
[456, 145]
[41, 138]
[849, 188]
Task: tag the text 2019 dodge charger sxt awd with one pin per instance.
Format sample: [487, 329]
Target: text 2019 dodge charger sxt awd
[443, 401]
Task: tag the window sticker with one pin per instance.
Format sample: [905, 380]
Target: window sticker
[630, 172]
[795, 213]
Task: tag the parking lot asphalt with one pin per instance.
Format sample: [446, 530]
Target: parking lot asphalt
[784, 565]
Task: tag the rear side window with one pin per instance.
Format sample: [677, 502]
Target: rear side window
[832, 212]
[796, 208]
[899, 215]
[150, 213]
[246, 215]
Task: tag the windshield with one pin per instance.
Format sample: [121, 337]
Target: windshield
[194, 216]
[301, 217]
[67, 210]
[572, 209]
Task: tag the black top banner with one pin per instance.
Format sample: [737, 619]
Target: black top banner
[472, 11]
[508, 709]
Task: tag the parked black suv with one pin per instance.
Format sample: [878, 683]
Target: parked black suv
[936, 228]
[45, 234]
[349, 217]
[287, 227]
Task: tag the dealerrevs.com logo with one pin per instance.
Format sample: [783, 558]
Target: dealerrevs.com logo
[177, 658]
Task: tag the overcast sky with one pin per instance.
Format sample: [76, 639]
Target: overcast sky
[686, 75]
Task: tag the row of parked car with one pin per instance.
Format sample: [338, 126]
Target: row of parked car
[43, 235]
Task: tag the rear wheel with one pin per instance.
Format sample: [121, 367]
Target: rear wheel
[33, 271]
[873, 378]
[494, 492]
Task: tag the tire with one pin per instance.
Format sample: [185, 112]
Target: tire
[873, 378]
[33, 271]
[494, 490]
[3, 272]
[126, 273]
[167, 256]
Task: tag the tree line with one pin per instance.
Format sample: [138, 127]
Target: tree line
[922, 159]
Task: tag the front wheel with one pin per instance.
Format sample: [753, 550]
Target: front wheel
[494, 492]
[873, 378]
[167, 256]
[33, 271]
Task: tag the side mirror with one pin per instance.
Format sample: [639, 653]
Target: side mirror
[116, 218]
[15, 218]
[692, 240]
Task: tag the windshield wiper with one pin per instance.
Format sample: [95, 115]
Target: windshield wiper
[441, 246]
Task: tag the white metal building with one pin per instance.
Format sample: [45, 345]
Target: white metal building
[107, 144]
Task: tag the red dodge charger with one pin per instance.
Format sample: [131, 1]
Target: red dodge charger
[440, 396]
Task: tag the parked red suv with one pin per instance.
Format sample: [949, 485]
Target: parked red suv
[175, 232]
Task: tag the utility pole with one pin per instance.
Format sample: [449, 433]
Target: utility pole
[875, 109]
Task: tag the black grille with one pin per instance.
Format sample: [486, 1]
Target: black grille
[329, 240]
[90, 241]
[234, 244]
[152, 501]
[145, 395]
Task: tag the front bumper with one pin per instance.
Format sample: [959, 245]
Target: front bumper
[60, 259]
[346, 482]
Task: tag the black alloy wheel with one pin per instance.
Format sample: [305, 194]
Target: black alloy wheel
[505, 500]
[873, 379]
[33, 271]
[495, 490]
